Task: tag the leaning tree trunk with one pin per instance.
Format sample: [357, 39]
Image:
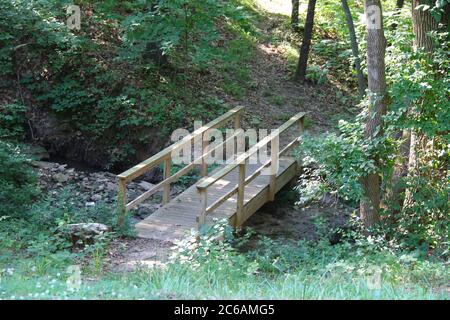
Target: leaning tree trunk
[355, 49]
[306, 43]
[423, 24]
[376, 47]
[294, 16]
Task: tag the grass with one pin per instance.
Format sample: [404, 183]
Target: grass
[183, 283]
[226, 270]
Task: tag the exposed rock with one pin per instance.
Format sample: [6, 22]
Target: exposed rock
[61, 178]
[42, 164]
[38, 152]
[111, 186]
[146, 185]
[90, 188]
[96, 197]
[83, 233]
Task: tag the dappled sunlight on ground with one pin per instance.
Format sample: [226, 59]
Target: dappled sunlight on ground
[279, 6]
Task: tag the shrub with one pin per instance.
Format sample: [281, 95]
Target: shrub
[12, 121]
[18, 182]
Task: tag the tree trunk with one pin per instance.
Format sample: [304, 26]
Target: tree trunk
[355, 49]
[306, 43]
[376, 47]
[423, 24]
[294, 16]
[395, 193]
[398, 6]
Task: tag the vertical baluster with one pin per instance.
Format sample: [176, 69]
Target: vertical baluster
[203, 205]
[301, 129]
[204, 165]
[241, 193]
[274, 149]
[122, 201]
[237, 120]
[166, 191]
[301, 125]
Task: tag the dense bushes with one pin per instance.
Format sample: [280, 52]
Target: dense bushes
[12, 121]
[417, 214]
[132, 64]
[18, 182]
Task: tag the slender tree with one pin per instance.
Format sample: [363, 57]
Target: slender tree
[294, 15]
[423, 24]
[355, 49]
[400, 4]
[376, 48]
[399, 7]
[306, 43]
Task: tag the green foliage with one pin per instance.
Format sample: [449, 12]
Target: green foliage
[339, 161]
[316, 74]
[422, 86]
[419, 89]
[132, 64]
[174, 25]
[425, 223]
[18, 182]
[12, 121]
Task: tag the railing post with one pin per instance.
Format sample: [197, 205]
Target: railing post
[122, 201]
[301, 125]
[241, 193]
[166, 191]
[204, 165]
[203, 205]
[274, 149]
[301, 129]
[238, 126]
[237, 120]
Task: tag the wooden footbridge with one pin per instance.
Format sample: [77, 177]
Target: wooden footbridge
[234, 191]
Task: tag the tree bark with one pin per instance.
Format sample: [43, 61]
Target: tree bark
[294, 16]
[376, 48]
[355, 49]
[306, 43]
[423, 24]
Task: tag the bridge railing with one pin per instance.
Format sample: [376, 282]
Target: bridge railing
[241, 162]
[165, 157]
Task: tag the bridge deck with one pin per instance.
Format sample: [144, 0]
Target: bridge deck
[174, 219]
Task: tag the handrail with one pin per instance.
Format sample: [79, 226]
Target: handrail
[151, 162]
[206, 182]
[165, 156]
[177, 174]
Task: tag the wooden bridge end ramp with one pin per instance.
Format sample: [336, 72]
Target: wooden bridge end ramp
[234, 191]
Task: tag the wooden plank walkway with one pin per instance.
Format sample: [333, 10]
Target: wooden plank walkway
[234, 191]
[175, 219]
